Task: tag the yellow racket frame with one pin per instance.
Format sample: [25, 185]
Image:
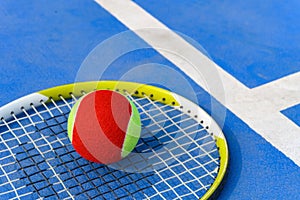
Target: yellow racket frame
[139, 90]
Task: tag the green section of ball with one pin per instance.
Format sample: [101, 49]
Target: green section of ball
[71, 120]
[133, 131]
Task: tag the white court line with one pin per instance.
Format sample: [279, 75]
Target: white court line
[283, 93]
[254, 107]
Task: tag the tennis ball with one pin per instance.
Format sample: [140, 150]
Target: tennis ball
[104, 126]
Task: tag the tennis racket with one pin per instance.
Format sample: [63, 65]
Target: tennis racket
[182, 152]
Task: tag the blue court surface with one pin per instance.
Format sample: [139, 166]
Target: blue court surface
[255, 45]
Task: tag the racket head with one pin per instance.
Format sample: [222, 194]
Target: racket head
[34, 126]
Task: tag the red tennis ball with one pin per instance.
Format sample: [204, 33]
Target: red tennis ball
[104, 126]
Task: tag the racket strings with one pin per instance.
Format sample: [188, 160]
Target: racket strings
[171, 156]
[58, 176]
[99, 175]
[66, 175]
[32, 156]
[13, 182]
[8, 170]
[45, 160]
[178, 124]
[73, 158]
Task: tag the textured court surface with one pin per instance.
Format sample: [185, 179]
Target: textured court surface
[255, 44]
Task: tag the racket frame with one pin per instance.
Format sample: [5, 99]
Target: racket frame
[137, 90]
